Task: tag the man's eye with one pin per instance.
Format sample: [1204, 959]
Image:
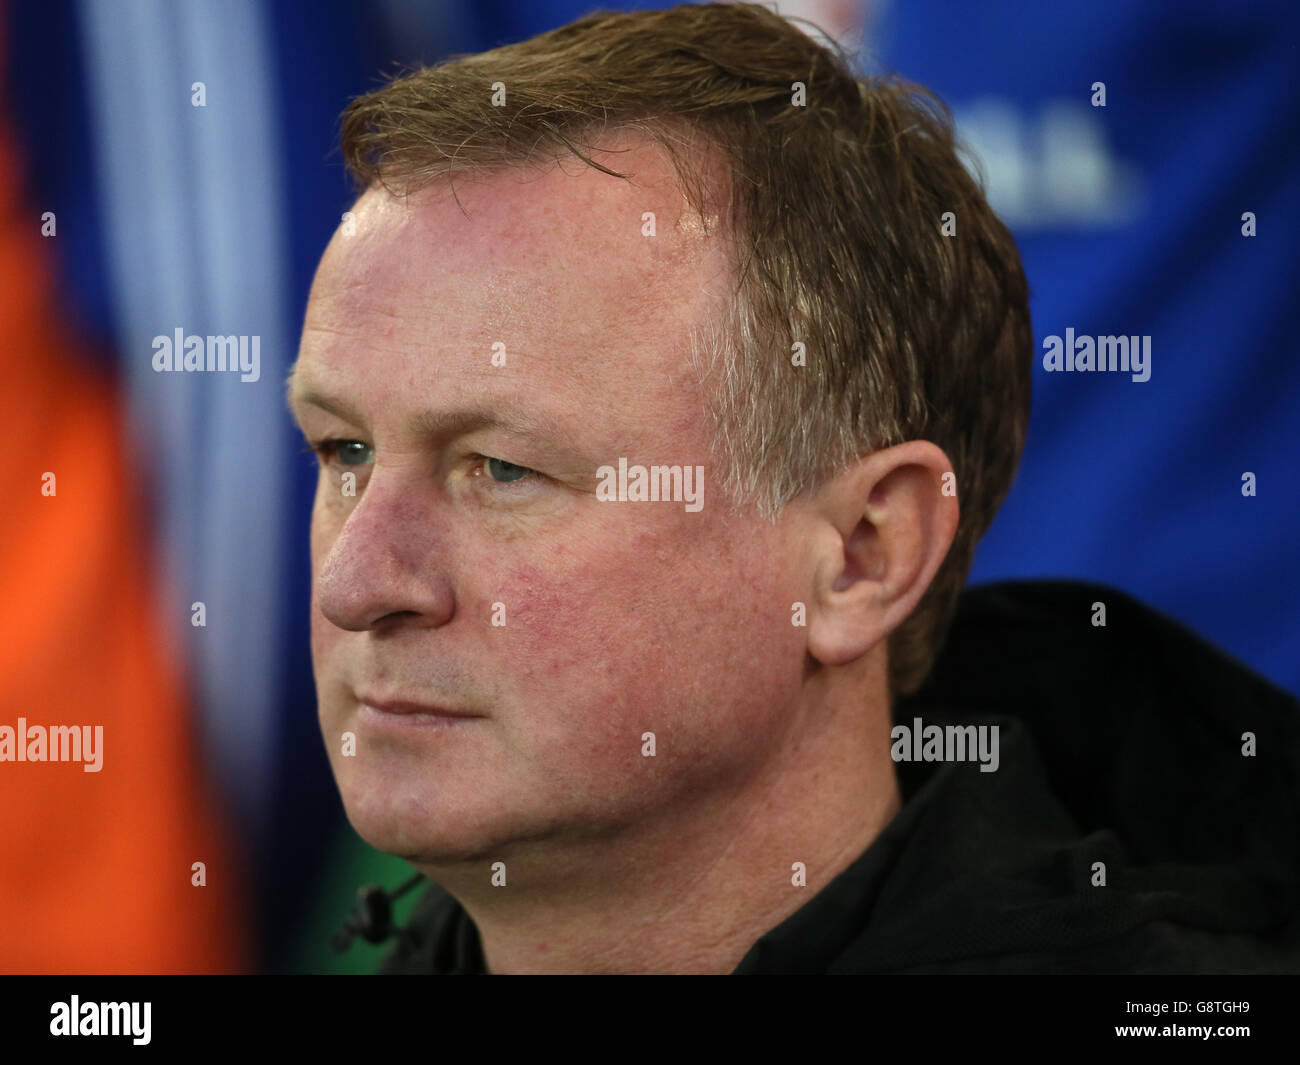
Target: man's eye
[347, 452]
[505, 472]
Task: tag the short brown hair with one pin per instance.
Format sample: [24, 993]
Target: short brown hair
[838, 206]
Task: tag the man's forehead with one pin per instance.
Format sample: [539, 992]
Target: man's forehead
[590, 285]
[566, 268]
[563, 231]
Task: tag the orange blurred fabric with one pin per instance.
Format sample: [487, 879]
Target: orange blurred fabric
[95, 868]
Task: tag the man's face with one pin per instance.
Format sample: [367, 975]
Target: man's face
[569, 626]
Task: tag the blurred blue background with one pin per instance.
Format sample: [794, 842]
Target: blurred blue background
[1129, 218]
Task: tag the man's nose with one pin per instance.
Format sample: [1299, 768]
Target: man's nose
[380, 569]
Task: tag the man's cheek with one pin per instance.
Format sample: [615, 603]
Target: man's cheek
[595, 664]
[583, 619]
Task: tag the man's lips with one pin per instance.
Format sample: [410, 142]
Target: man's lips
[411, 707]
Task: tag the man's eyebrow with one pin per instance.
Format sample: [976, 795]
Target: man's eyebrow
[442, 423]
[509, 417]
[296, 393]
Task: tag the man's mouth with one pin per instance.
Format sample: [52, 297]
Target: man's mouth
[414, 711]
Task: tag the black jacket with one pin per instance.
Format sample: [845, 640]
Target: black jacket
[1120, 745]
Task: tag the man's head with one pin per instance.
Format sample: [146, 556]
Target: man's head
[682, 238]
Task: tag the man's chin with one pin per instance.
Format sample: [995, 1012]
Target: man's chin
[421, 831]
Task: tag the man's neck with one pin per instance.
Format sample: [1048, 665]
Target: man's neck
[693, 892]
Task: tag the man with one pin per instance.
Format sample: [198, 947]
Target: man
[663, 378]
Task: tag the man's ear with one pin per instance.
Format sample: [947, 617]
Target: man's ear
[883, 527]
